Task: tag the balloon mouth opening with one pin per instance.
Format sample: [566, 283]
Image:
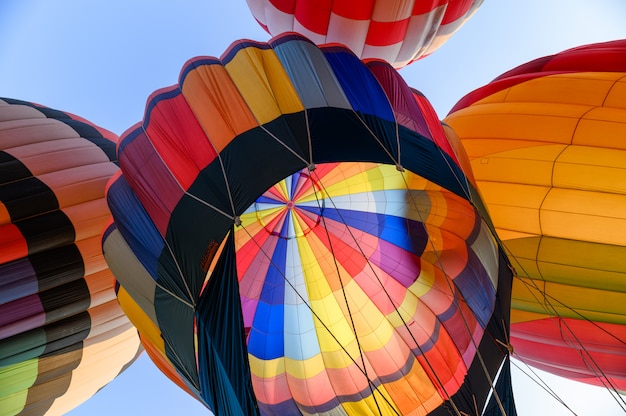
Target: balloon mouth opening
[293, 207]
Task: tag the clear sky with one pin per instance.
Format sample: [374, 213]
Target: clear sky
[102, 59]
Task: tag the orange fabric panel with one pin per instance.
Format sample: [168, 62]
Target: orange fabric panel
[217, 104]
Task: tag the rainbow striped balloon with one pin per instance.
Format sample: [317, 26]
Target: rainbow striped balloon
[295, 234]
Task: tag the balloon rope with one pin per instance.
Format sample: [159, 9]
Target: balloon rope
[305, 302]
[539, 382]
[189, 294]
[439, 381]
[273, 136]
[396, 307]
[549, 302]
[455, 301]
[345, 297]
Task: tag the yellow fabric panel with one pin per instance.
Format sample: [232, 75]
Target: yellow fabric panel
[615, 98]
[267, 368]
[217, 104]
[568, 261]
[592, 168]
[263, 83]
[459, 152]
[332, 322]
[543, 122]
[554, 299]
[373, 405]
[580, 215]
[527, 165]
[513, 206]
[576, 88]
[149, 330]
[602, 127]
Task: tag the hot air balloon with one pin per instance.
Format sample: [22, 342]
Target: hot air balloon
[546, 143]
[294, 234]
[63, 335]
[399, 32]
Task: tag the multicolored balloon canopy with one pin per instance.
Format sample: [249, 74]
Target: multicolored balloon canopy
[63, 335]
[399, 32]
[294, 234]
[548, 150]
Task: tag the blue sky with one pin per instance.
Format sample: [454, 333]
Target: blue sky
[102, 59]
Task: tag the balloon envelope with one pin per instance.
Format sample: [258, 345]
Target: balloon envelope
[295, 235]
[399, 32]
[546, 141]
[63, 335]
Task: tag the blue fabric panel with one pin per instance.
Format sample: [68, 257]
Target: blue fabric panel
[134, 224]
[266, 336]
[359, 84]
[386, 227]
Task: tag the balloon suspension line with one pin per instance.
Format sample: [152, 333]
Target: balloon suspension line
[180, 273]
[464, 183]
[396, 306]
[455, 301]
[401, 169]
[536, 378]
[306, 302]
[551, 305]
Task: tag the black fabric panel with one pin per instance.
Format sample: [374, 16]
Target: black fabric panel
[47, 231]
[11, 169]
[66, 300]
[55, 338]
[176, 322]
[90, 133]
[58, 266]
[27, 197]
[68, 334]
[474, 391]
[504, 389]
[225, 382]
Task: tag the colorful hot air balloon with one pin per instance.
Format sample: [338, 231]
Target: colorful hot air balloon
[63, 335]
[548, 150]
[398, 32]
[295, 235]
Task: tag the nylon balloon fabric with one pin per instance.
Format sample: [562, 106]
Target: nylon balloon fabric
[546, 144]
[399, 32]
[63, 335]
[294, 234]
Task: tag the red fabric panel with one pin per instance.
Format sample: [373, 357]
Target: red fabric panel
[425, 6]
[386, 33]
[137, 155]
[314, 15]
[179, 139]
[572, 348]
[456, 9]
[286, 6]
[354, 9]
[12, 244]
